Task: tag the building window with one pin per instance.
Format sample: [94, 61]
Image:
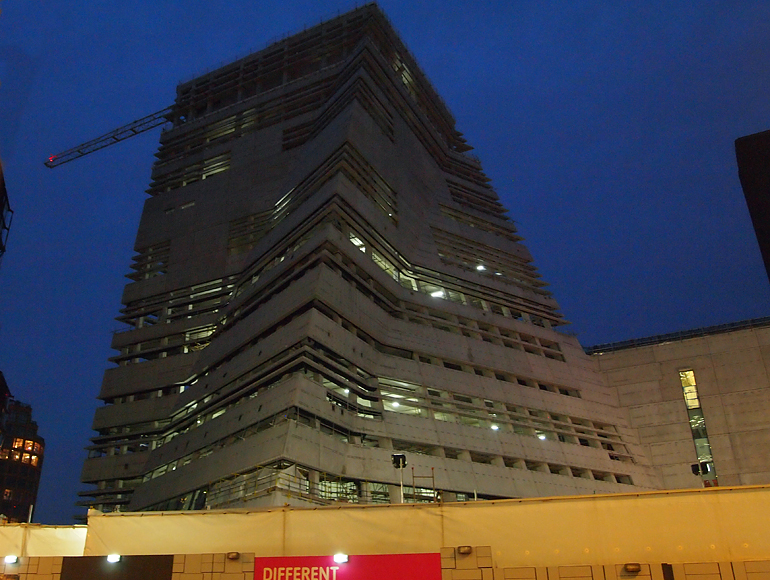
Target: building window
[705, 465]
[18, 443]
[7, 494]
[690, 389]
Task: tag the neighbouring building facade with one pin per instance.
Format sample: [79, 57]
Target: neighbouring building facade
[324, 278]
[700, 401]
[21, 448]
[21, 457]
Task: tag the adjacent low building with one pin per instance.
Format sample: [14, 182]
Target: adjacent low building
[699, 399]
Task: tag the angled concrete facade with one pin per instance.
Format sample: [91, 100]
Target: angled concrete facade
[323, 278]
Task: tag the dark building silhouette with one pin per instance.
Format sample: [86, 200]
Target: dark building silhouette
[6, 214]
[753, 155]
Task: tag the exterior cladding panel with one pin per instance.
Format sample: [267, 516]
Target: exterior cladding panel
[319, 251]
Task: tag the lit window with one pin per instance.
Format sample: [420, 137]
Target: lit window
[25, 458]
[33, 460]
[38, 448]
[3, 454]
[356, 241]
[15, 455]
[7, 494]
[18, 443]
[690, 390]
[28, 445]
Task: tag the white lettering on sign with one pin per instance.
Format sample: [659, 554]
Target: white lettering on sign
[300, 573]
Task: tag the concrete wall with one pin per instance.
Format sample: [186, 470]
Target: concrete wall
[731, 371]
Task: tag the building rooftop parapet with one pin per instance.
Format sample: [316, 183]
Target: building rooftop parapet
[675, 336]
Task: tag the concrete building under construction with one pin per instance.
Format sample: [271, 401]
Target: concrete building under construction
[324, 278]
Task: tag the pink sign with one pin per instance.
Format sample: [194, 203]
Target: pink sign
[371, 567]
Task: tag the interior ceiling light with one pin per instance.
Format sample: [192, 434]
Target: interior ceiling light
[340, 558]
[437, 294]
[113, 558]
[480, 268]
[11, 559]
[495, 427]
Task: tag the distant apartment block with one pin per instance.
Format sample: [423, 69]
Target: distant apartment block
[21, 457]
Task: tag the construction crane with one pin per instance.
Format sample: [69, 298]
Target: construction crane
[114, 136]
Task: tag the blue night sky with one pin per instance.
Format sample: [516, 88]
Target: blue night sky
[606, 127]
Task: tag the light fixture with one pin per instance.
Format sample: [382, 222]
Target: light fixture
[464, 550]
[495, 427]
[11, 559]
[481, 267]
[340, 558]
[113, 558]
[632, 568]
[233, 555]
[541, 436]
[394, 404]
[437, 294]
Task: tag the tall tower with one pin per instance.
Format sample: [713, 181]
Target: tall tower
[323, 278]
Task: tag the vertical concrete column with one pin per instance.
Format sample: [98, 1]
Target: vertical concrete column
[395, 493]
[365, 492]
[313, 478]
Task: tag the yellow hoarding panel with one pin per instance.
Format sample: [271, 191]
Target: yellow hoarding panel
[710, 525]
